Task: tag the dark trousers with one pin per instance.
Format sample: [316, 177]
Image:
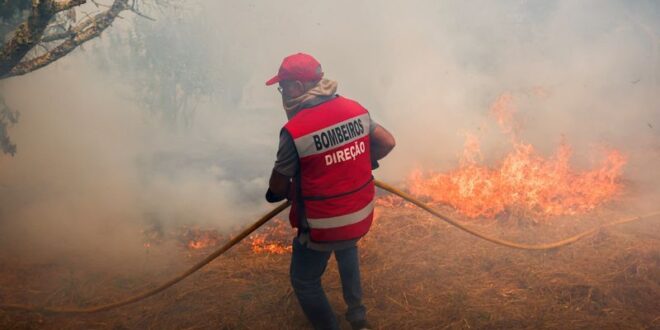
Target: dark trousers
[307, 266]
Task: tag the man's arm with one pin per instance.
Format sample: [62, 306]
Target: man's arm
[278, 187]
[382, 142]
[284, 169]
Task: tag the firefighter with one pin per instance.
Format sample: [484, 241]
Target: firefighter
[327, 151]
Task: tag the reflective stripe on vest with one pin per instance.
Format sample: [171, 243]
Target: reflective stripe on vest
[314, 143]
[342, 220]
[336, 186]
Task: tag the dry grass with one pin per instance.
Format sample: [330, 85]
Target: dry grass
[418, 273]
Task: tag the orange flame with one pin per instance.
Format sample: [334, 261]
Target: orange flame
[523, 180]
[503, 111]
[392, 201]
[196, 239]
[274, 239]
[389, 201]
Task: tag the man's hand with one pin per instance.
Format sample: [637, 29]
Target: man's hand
[272, 198]
[278, 187]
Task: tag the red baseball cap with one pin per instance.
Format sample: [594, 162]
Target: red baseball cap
[300, 67]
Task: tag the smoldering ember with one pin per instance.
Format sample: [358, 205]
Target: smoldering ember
[199, 164]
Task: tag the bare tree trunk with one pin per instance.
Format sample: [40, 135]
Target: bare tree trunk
[29, 33]
[85, 31]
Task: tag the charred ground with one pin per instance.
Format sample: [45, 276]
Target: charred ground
[418, 273]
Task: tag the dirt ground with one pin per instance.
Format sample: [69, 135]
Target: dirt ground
[418, 273]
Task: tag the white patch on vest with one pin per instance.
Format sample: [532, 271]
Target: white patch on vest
[342, 220]
[346, 154]
[306, 146]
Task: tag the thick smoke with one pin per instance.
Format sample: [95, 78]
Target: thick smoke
[93, 166]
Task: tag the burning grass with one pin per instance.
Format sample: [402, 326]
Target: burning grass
[418, 273]
[523, 181]
[272, 238]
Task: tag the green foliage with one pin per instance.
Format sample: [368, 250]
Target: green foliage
[165, 63]
[7, 119]
[12, 13]
[169, 66]
[12, 8]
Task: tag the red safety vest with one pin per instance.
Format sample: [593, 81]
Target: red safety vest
[335, 188]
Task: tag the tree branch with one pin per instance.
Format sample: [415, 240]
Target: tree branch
[26, 36]
[29, 33]
[86, 30]
[57, 36]
[59, 6]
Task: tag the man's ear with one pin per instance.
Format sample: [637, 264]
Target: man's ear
[300, 86]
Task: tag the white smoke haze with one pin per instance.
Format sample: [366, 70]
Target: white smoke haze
[93, 165]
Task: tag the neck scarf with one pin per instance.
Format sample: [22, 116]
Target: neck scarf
[325, 87]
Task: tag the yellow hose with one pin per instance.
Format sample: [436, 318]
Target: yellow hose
[163, 286]
[546, 246]
[274, 212]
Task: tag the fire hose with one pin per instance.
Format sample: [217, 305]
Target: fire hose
[235, 240]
